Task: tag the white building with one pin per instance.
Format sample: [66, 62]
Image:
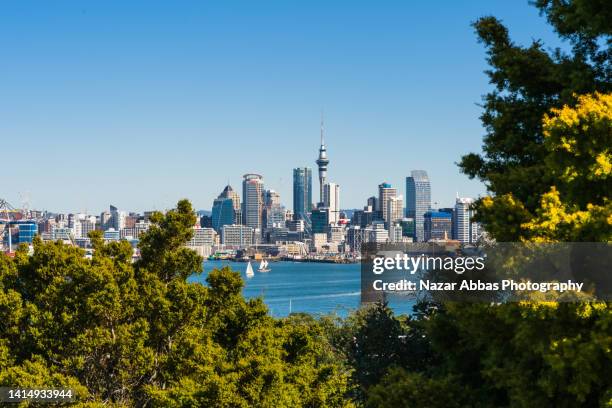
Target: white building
[112, 235]
[117, 220]
[465, 230]
[237, 235]
[331, 200]
[395, 209]
[395, 232]
[202, 237]
[376, 233]
[385, 192]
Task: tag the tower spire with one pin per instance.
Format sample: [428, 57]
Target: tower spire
[322, 162]
[322, 124]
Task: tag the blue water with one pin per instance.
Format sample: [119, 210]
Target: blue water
[316, 288]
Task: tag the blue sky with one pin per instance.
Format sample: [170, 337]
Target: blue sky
[141, 103]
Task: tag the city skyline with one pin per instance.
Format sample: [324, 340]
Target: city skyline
[188, 97]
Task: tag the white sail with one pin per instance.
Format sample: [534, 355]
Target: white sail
[249, 270]
[263, 266]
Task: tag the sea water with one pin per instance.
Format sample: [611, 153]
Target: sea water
[309, 287]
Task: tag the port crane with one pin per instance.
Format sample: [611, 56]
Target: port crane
[5, 219]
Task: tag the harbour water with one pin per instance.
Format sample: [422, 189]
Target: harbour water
[315, 288]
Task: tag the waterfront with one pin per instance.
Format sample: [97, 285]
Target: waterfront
[316, 288]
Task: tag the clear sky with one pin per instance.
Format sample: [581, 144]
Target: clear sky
[140, 103]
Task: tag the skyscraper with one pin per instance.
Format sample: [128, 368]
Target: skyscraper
[322, 162]
[229, 192]
[117, 220]
[222, 213]
[465, 230]
[331, 200]
[226, 209]
[302, 192]
[395, 210]
[418, 200]
[253, 200]
[385, 192]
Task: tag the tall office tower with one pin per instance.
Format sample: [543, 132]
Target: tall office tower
[105, 220]
[117, 220]
[331, 200]
[253, 200]
[395, 210]
[225, 209]
[320, 220]
[229, 192]
[418, 200]
[463, 227]
[222, 213]
[322, 162]
[302, 192]
[385, 192]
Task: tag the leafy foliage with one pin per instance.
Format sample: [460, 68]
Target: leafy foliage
[135, 334]
[529, 82]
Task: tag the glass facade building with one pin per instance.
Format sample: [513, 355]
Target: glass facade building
[418, 200]
[27, 231]
[302, 192]
[222, 213]
[438, 225]
[320, 220]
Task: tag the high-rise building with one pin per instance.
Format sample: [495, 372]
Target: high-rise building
[320, 220]
[395, 210]
[385, 192]
[237, 235]
[222, 213]
[322, 163]
[253, 200]
[105, 220]
[225, 209]
[465, 230]
[229, 192]
[376, 233]
[437, 225]
[418, 200]
[117, 220]
[331, 200]
[202, 236]
[302, 192]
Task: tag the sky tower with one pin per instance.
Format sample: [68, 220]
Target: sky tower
[322, 162]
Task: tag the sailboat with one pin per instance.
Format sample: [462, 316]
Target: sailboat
[263, 266]
[249, 270]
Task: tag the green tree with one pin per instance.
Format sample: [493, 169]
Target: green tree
[547, 162]
[528, 82]
[134, 334]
